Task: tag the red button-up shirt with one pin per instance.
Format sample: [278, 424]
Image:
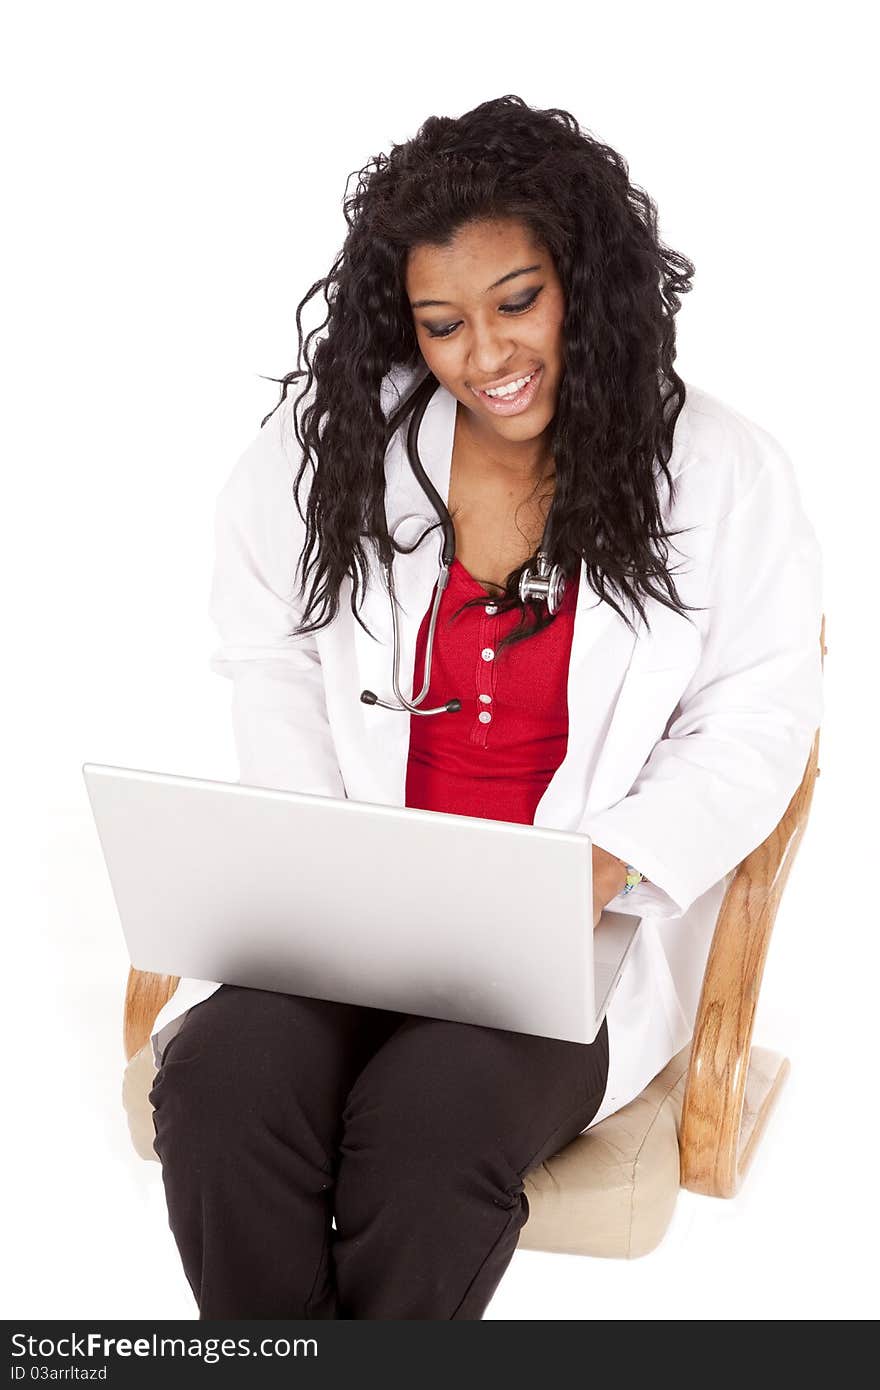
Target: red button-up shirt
[495, 757]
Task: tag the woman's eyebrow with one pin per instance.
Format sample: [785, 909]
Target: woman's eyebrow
[524, 270]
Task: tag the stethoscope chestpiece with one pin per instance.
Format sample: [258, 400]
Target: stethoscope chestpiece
[547, 584]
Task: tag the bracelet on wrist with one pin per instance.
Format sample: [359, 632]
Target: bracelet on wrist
[633, 877]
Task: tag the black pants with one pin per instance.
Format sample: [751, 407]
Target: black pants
[275, 1112]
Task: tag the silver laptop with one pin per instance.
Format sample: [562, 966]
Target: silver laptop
[456, 917]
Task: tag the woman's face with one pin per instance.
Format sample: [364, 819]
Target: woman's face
[496, 316]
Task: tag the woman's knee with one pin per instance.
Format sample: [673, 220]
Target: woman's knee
[223, 1064]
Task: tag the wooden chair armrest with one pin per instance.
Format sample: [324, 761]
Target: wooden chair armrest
[715, 1148]
[145, 995]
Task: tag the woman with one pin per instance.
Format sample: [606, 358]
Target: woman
[503, 279]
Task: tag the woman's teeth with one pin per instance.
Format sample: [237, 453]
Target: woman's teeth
[511, 388]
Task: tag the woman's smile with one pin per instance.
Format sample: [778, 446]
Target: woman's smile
[512, 402]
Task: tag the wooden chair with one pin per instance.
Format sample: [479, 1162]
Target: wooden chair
[612, 1190]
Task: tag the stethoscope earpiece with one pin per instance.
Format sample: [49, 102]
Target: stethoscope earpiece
[369, 697]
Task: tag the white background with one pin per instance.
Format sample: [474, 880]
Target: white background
[173, 177]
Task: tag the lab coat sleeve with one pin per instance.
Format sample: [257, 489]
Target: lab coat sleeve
[282, 735]
[736, 746]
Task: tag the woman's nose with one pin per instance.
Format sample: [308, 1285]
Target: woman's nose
[491, 350]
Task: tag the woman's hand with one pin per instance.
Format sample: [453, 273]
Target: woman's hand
[609, 878]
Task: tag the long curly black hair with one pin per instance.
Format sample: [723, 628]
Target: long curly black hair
[619, 397]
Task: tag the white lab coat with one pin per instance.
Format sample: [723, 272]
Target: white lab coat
[686, 743]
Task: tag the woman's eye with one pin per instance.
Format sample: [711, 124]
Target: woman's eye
[519, 308]
[441, 332]
[523, 304]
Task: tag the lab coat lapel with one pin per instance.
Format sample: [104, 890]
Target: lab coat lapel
[661, 661]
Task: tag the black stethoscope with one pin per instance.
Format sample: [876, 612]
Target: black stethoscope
[547, 584]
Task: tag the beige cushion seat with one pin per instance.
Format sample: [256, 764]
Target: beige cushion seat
[612, 1190]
